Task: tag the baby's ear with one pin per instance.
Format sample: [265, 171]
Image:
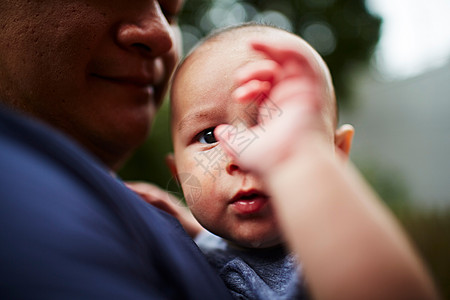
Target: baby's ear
[170, 161]
[344, 138]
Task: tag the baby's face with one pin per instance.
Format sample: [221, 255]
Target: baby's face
[224, 198]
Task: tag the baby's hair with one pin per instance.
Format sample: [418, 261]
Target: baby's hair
[221, 32]
[216, 33]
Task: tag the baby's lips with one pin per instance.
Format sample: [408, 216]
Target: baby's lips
[249, 202]
[248, 195]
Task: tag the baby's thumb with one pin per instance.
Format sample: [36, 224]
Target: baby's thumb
[255, 149]
[226, 135]
[236, 142]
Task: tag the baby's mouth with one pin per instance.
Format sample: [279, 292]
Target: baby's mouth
[249, 202]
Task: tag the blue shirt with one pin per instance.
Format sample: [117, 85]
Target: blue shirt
[262, 274]
[69, 230]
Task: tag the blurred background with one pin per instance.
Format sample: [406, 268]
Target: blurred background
[390, 62]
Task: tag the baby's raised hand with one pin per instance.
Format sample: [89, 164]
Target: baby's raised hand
[290, 79]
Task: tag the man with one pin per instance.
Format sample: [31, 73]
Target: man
[96, 71]
[89, 67]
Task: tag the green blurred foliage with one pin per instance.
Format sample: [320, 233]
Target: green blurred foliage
[430, 233]
[428, 229]
[387, 182]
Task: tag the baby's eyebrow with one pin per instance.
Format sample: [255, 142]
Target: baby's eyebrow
[191, 118]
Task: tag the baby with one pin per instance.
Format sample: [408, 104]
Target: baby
[231, 202]
[257, 98]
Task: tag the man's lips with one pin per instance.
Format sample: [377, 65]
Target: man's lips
[249, 202]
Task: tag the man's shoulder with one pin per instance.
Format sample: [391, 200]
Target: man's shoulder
[61, 190]
[70, 226]
[33, 137]
[44, 172]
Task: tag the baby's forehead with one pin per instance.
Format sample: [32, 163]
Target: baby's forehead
[215, 57]
[238, 39]
[232, 48]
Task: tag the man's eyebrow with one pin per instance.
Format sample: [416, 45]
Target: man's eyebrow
[193, 117]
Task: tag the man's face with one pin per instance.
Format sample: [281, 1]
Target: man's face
[226, 199]
[96, 69]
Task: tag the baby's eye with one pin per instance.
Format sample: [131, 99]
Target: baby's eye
[207, 136]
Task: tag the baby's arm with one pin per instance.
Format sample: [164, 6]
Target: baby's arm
[163, 200]
[349, 244]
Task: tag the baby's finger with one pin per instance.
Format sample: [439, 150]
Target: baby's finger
[254, 90]
[279, 52]
[294, 90]
[225, 135]
[266, 144]
[231, 137]
[264, 70]
[290, 61]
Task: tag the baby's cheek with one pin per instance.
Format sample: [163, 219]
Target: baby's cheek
[211, 164]
[206, 212]
[191, 186]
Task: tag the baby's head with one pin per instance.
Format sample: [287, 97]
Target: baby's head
[230, 202]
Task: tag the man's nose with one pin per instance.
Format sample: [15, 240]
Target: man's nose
[149, 34]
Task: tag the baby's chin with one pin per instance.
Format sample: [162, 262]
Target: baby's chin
[256, 243]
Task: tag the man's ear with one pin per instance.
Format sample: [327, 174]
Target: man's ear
[344, 138]
[170, 161]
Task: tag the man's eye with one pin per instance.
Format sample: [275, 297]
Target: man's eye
[207, 136]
